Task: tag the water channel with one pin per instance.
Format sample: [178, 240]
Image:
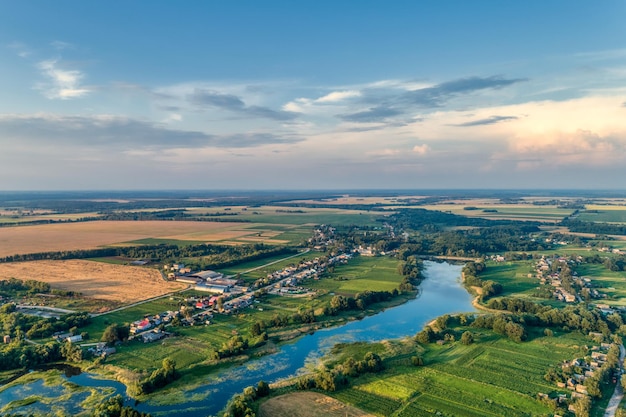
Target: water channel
[440, 293]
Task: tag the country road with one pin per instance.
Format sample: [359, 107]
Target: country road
[618, 394]
[190, 286]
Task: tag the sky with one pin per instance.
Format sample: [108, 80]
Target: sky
[129, 95]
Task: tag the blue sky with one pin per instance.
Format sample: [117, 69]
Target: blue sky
[315, 94]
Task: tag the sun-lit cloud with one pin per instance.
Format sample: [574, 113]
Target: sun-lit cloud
[63, 83]
[421, 149]
[336, 96]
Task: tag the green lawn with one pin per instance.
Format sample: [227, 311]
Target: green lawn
[360, 274]
[513, 276]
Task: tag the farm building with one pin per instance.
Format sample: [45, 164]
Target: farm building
[218, 289]
[207, 275]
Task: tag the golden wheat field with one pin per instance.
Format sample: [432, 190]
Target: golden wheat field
[90, 235]
[125, 284]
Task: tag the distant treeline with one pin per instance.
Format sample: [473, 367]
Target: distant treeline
[173, 215]
[211, 255]
[579, 226]
[432, 220]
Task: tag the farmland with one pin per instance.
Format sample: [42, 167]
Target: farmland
[459, 380]
[90, 235]
[267, 225]
[114, 283]
[374, 274]
[521, 212]
[307, 404]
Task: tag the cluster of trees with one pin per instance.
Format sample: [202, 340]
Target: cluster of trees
[17, 325]
[410, 269]
[332, 379]
[442, 332]
[16, 287]
[233, 346]
[174, 214]
[21, 355]
[569, 318]
[360, 301]
[508, 325]
[239, 405]
[580, 226]
[470, 279]
[115, 333]
[204, 255]
[114, 407]
[158, 378]
[615, 263]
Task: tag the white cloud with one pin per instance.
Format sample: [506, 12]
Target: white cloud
[64, 84]
[384, 152]
[60, 45]
[336, 96]
[20, 49]
[421, 149]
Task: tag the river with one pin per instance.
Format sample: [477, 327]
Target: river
[440, 293]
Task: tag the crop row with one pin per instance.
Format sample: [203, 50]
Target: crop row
[500, 379]
[368, 402]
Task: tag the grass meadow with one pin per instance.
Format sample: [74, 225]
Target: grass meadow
[492, 377]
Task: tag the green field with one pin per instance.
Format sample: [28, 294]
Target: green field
[611, 283]
[493, 377]
[513, 276]
[549, 214]
[360, 274]
[605, 216]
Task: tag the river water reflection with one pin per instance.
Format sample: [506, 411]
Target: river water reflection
[440, 293]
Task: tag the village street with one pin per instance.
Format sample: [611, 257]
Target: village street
[618, 394]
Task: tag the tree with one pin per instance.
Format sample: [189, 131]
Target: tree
[256, 329]
[72, 352]
[262, 389]
[425, 336]
[114, 333]
[582, 407]
[467, 338]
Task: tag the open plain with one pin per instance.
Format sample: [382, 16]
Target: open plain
[117, 283]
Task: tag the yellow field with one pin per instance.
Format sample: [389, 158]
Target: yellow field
[125, 284]
[307, 404]
[90, 235]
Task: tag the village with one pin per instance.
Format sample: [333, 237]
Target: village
[229, 294]
[578, 375]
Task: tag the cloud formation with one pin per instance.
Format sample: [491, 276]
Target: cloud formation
[63, 84]
[440, 94]
[385, 101]
[487, 121]
[371, 115]
[112, 132]
[208, 98]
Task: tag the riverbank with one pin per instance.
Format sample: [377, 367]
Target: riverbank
[214, 384]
